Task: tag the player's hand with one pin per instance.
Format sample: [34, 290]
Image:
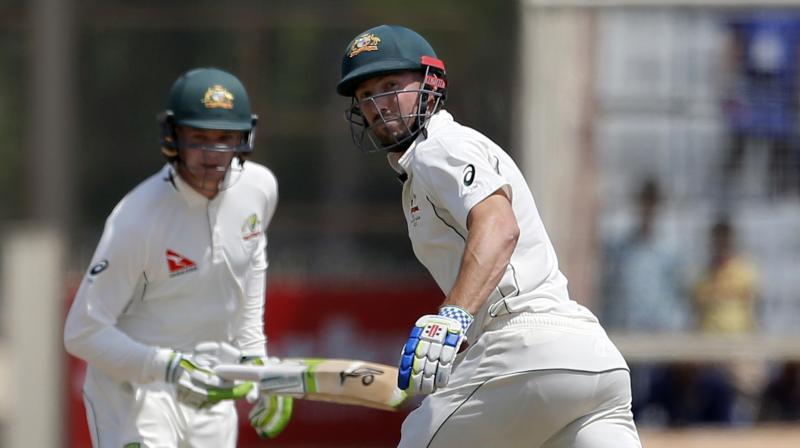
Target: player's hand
[211, 353]
[196, 385]
[428, 355]
[271, 413]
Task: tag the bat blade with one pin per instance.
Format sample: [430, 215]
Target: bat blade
[340, 381]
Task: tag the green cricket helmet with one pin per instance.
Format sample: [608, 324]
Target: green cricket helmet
[207, 98]
[380, 51]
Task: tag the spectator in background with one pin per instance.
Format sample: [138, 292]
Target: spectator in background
[644, 292]
[761, 98]
[643, 286]
[725, 295]
[724, 298]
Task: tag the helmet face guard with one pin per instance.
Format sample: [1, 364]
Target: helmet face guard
[170, 144]
[430, 98]
[209, 172]
[172, 148]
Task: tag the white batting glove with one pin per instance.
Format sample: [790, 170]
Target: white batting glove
[197, 386]
[211, 353]
[428, 355]
[271, 413]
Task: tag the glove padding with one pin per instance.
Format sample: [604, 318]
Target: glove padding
[196, 385]
[428, 355]
[271, 413]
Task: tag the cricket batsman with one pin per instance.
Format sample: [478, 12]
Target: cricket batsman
[508, 360]
[182, 260]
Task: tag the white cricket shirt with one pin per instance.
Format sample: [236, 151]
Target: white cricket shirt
[449, 172]
[172, 269]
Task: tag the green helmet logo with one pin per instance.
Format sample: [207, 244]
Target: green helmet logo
[207, 98]
[380, 50]
[218, 96]
[364, 42]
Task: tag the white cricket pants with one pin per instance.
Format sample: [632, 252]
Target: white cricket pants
[120, 416]
[531, 380]
[547, 409]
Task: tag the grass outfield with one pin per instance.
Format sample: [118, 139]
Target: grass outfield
[787, 436]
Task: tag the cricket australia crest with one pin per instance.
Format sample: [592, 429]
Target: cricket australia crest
[251, 227]
[218, 97]
[364, 42]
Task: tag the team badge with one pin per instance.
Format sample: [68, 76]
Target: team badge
[218, 97]
[364, 42]
[414, 211]
[251, 227]
[178, 264]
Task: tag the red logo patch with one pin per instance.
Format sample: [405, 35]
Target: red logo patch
[178, 264]
[434, 330]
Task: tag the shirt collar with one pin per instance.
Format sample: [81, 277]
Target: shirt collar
[192, 197]
[400, 161]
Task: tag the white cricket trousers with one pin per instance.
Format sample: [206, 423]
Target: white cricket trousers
[538, 409]
[148, 416]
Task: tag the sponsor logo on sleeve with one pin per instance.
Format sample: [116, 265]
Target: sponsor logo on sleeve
[98, 267]
[469, 175]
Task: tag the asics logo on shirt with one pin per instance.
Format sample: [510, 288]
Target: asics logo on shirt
[178, 264]
[469, 175]
[99, 267]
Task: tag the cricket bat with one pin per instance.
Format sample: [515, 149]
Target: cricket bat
[343, 381]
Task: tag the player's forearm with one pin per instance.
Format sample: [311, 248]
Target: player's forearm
[490, 244]
[250, 338]
[111, 350]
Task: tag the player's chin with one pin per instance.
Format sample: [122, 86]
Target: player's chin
[207, 179]
[391, 137]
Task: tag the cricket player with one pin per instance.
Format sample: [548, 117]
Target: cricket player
[182, 260]
[509, 360]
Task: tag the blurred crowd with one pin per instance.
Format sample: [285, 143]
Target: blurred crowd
[646, 286]
[645, 289]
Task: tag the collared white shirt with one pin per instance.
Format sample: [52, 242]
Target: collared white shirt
[172, 269]
[451, 170]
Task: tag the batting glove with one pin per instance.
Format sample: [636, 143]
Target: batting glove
[271, 413]
[197, 386]
[212, 353]
[427, 358]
